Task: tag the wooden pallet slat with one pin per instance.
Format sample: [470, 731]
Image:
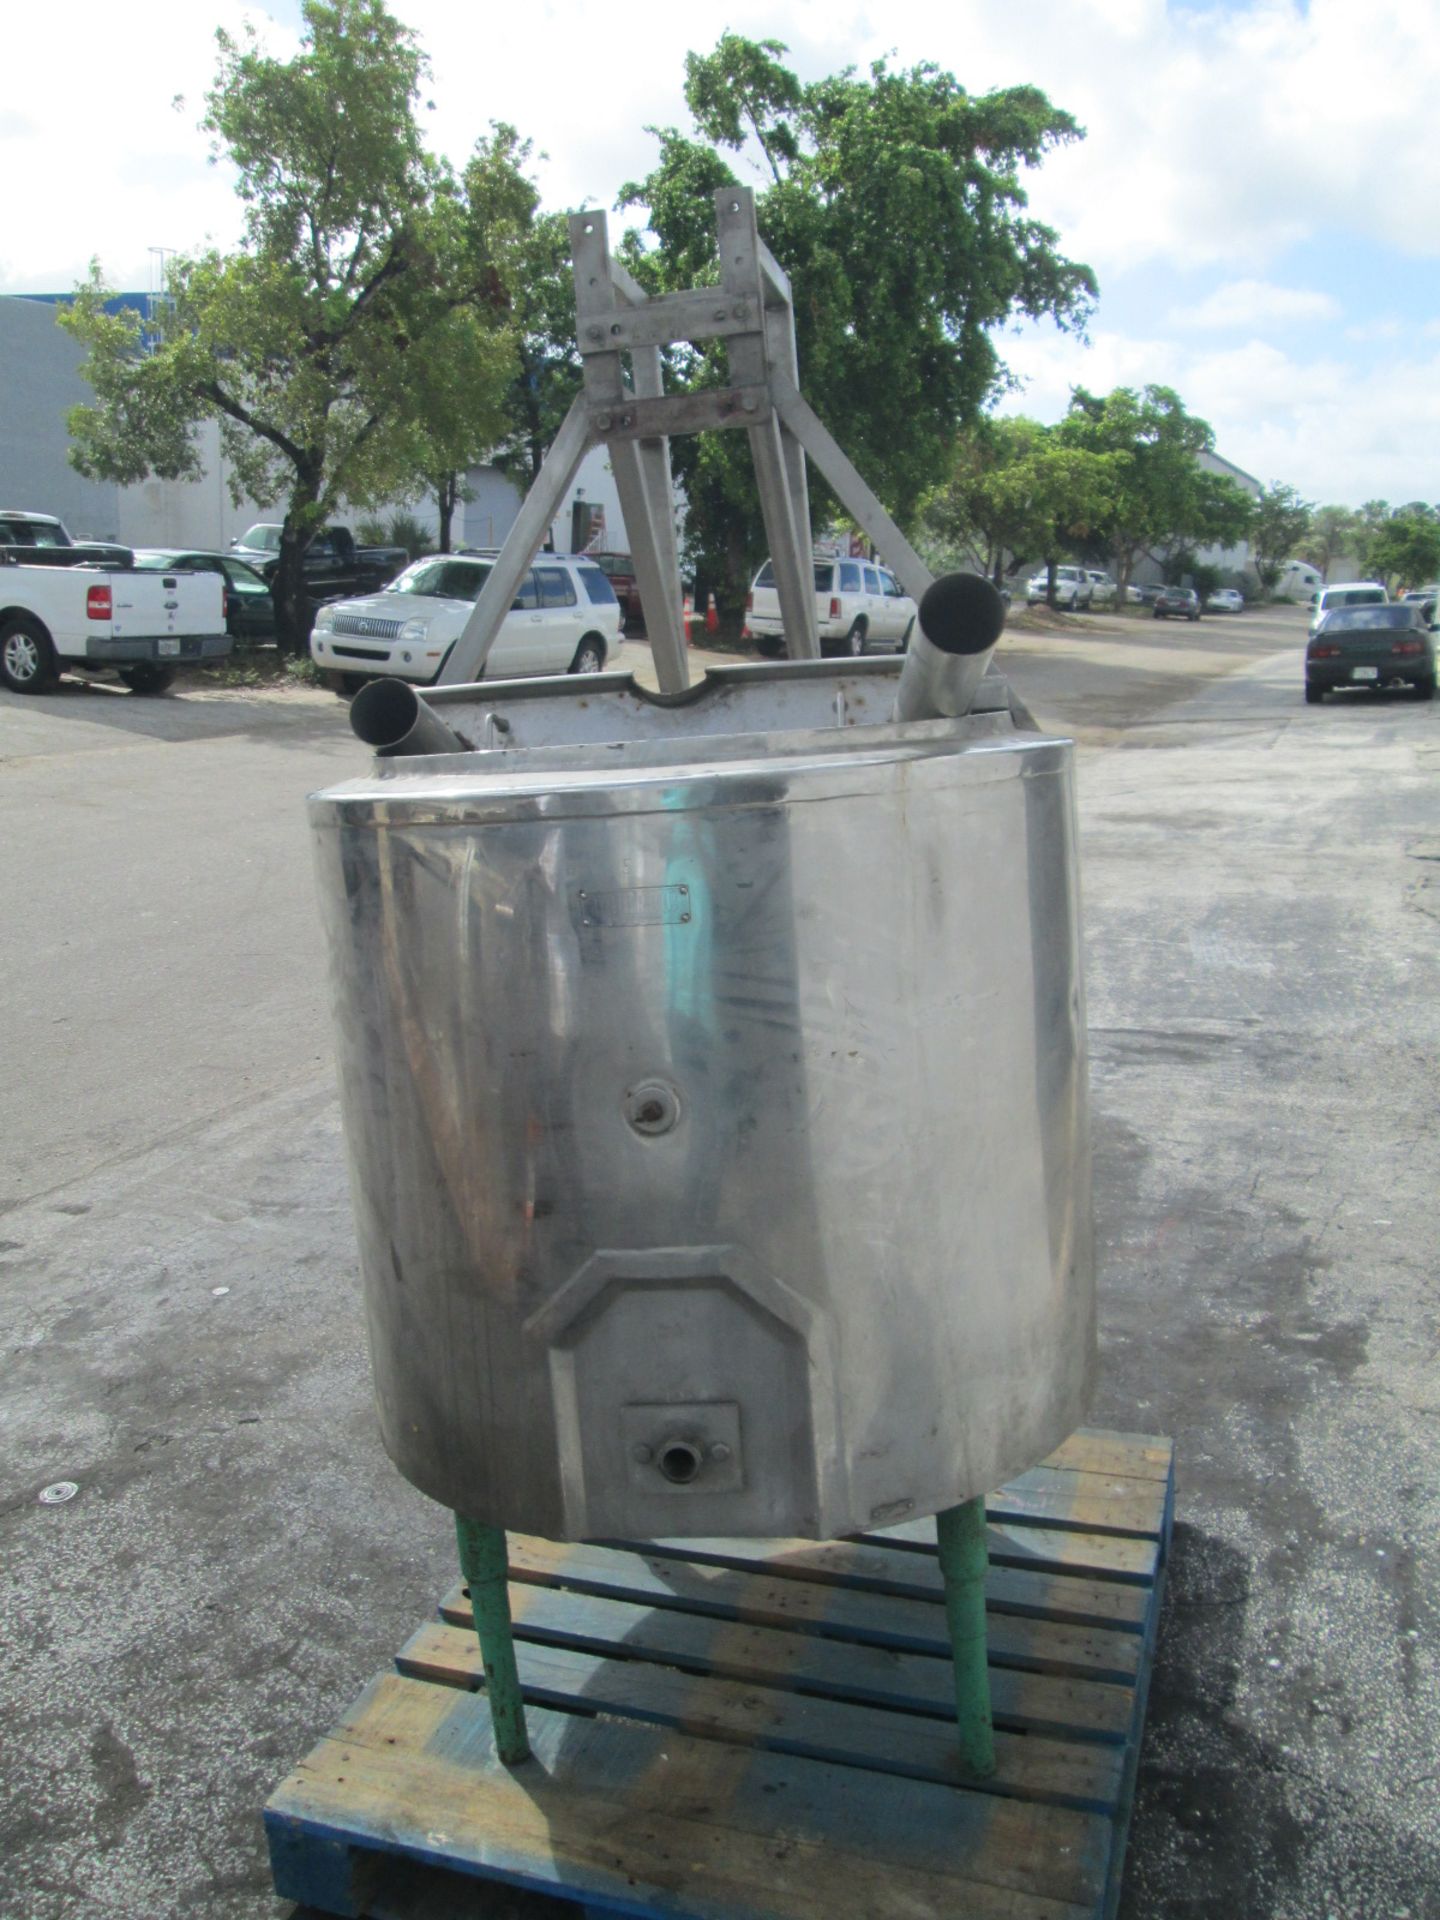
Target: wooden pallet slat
[1085, 1775]
[873, 1566]
[725, 1730]
[1046, 1646]
[803, 1663]
[414, 1765]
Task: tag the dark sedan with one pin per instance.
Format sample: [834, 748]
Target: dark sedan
[1371, 647]
[249, 608]
[1181, 603]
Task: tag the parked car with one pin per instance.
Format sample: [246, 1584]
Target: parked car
[1177, 602]
[89, 618]
[857, 603]
[249, 609]
[565, 619]
[1146, 593]
[1371, 646]
[1225, 600]
[1073, 589]
[1102, 588]
[334, 564]
[619, 570]
[1346, 593]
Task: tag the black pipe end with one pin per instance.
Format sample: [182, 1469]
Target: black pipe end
[383, 712]
[962, 613]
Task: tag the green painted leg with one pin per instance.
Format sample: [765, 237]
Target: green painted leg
[486, 1567]
[963, 1562]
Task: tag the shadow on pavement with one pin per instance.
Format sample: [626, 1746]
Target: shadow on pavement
[193, 709]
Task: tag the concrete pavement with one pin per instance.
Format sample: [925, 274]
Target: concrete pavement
[181, 1334]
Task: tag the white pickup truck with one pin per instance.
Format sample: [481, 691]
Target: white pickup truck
[89, 618]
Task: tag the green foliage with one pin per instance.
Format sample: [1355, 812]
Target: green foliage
[404, 530]
[1165, 500]
[357, 343]
[1405, 552]
[547, 376]
[895, 204]
[1366, 529]
[1333, 531]
[1017, 488]
[1281, 523]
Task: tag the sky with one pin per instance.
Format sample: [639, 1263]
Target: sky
[1258, 191]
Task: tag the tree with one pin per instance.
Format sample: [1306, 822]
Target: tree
[1332, 533]
[1218, 513]
[548, 373]
[1165, 499]
[894, 201]
[1017, 488]
[454, 426]
[1406, 550]
[359, 330]
[972, 519]
[1367, 525]
[1282, 520]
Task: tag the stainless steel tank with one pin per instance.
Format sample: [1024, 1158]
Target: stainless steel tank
[716, 1103]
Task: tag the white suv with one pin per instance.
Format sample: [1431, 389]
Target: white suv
[1072, 588]
[856, 603]
[1346, 593]
[1102, 588]
[565, 619]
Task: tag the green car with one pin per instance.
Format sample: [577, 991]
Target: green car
[249, 608]
[1371, 647]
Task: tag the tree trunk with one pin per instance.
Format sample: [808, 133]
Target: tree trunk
[737, 576]
[447, 493]
[294, 614]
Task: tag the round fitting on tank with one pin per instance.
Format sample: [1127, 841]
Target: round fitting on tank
[679, 1460]
[652, 1107]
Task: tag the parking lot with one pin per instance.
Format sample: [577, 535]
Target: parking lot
[182, 1335]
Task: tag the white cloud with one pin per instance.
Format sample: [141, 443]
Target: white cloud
[113, 165]
[1335, 431]
[1215, 135]
[1256, 303]
[1369, 330]
[1218, 136]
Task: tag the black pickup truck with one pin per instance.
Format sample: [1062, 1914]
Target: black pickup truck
[40, 540]
[335, 567]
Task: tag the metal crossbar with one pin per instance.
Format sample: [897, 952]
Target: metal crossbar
[752, 310]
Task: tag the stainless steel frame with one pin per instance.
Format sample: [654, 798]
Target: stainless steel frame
[752, 311]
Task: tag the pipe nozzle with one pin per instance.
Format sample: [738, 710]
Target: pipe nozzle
[390, 716]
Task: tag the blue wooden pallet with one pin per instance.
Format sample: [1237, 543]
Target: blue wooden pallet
[762, 1730]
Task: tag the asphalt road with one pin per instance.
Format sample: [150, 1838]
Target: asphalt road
[180, 1333]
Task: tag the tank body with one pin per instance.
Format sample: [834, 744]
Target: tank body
[717, 1125]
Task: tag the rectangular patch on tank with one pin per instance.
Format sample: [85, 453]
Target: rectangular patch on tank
[635, 907]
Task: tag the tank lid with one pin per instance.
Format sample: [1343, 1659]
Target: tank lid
[672, 776]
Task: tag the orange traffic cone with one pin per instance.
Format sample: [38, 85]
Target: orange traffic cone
[687, 615]
[712, 616]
